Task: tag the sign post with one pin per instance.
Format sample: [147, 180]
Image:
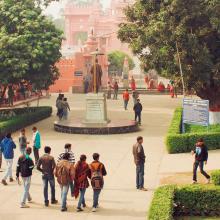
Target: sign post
[195, 112]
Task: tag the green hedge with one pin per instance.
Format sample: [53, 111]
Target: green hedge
[181, 143]
[189, 200]
[197, 200]
[215, 176]
[162, 204]
[25, 117]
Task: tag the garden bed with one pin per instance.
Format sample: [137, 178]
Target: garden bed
[171, 202]
[12, 120]
[177, 142]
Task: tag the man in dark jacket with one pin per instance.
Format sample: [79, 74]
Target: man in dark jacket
[201, 158]
[24, 167]
[7, 148]
[139, 160]
[46, 166]
[137, 110]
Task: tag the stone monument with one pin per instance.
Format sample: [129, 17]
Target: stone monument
[126, 74]
[96, 107]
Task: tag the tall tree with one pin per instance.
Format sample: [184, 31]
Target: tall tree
[116, 59]
[156, 29]
[29, 44]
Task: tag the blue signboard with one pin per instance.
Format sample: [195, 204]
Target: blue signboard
[196, 112]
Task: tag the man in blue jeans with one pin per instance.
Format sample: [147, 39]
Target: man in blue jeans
[65, 173]
[46, 166]
[97, 171]
[139, 159]
[25, 166]
[7, 147]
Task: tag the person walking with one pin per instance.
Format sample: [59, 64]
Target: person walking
[115, 90]
[65, 108]
[139, 160]
[137, 111]
[126, 97]
[67, 149]
[59, 106]
[23, 141]
[46, 166]
[65, 173]
[97, 171]
[81, 181]
[25, 166]
[36, 143]
[7, 146]
[201, 158]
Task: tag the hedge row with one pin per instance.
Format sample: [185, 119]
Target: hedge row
[181, 143]
[215, 176]
[189, 200]
[162, 204]
[27, 117]
[197, 200]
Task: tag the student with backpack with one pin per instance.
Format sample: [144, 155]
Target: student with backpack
[97, 171]
[25, 166]
[81, 181]
[65, 173]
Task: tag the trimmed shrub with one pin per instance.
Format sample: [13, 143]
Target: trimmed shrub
[215, 176]
[181, 143]
[162, 204]
[26, 117]
[197, 200]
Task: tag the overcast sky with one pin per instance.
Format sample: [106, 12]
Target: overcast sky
[55, 7]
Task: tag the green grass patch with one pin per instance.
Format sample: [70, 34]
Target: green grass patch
[201, 129]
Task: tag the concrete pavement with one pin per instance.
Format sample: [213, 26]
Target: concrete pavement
[119, 199]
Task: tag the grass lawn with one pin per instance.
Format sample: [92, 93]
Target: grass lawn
[199, 129]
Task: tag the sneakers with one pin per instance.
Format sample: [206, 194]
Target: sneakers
[94, 209]
[208, 181]
[143, 189]
[54, 201]
[29, 199]
[64, 209]
[194, 182]
[24, 206]
[84, 205]
[79, 209]
[11, 179]
[4, 182]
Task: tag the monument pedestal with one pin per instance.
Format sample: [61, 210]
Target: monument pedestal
[96, 110]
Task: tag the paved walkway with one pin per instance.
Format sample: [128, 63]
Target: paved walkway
[119, 200]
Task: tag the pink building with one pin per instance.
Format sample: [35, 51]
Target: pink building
[88, 28]
[81, 19]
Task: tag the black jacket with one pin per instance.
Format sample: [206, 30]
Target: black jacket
[25, 166]
[137, 107]
[203, 155]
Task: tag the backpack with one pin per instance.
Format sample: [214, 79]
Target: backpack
[97, 181]
[62, 174]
